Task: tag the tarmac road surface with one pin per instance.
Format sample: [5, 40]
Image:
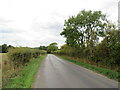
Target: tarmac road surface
[57, 73]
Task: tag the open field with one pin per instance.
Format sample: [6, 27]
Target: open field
[7, 68]
[0, 70]
[3, 56]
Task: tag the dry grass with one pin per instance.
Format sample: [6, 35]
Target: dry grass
[0, 70]
[25, 78]
[7, 68]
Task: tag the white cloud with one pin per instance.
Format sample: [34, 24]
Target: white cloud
[39, 22]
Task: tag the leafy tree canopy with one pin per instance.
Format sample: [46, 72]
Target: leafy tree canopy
[52, 47]
[85, 28]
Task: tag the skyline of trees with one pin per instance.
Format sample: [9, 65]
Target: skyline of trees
[82, 33]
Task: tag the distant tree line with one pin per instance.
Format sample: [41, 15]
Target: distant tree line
[51, 48]
[43, 47]
[83, 33]
[4, 48]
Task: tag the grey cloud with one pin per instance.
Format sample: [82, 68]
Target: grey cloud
[110, 4]
[47, 32]
[4, 22]
[55, 26]
[8, 30]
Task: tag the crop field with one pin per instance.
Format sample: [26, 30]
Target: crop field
[7, 68]
[0, 70]
[4, 66]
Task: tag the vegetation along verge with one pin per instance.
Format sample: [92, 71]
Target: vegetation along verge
[25, 78]
[109, 73]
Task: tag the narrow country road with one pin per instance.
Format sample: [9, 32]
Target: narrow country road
[57, 73]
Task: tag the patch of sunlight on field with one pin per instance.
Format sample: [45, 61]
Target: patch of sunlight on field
[0, 56]
[3, 60]
[3, 56]
[1, 70]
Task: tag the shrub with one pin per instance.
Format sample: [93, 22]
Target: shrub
[21, 55]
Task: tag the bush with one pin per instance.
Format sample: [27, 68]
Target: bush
[105, 54]
[20, 56]
[16, 59]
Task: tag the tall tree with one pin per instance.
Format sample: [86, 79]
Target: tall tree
[85, 29]
[108, 50]
[4, 48]
[52, 47]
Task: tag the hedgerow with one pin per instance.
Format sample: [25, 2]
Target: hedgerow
[22, 55]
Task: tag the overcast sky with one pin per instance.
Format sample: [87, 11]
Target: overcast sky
[39, 22]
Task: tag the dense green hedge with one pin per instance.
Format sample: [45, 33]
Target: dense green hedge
[21, 55]
[25, 78]
[18, 58]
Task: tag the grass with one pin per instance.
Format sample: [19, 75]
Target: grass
[1, 70]
[7, 68]
[25, 78]
[0, 57]
[109, 73]
[3, 56]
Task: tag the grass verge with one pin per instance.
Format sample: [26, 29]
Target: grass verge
[25, 78]
[109, 73]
